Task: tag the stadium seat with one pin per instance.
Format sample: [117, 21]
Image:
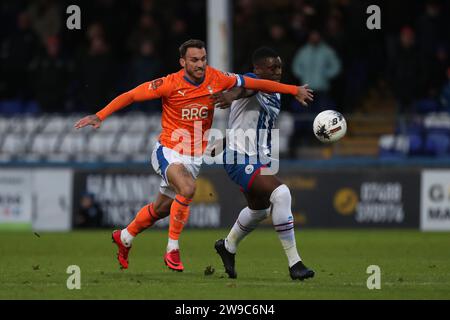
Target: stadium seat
[386, 145]
[14, 144]
[402, 144]
[426, 105]
[286, 124]
[130, 142]
[113, 124]
[24, 124]
[154, 122]
[20, 124]
[393, 146]
[137, 122]
[44, 144]
[438, 122]
[31, 124]
[415, 144]
[73, 143]
[437, 144]
[11, 107]
[31, 108]
[4, 125]
[412, 127]
[150, 143]
[100, 144]
[55, 124]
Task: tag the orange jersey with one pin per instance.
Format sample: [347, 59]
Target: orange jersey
[187, 107]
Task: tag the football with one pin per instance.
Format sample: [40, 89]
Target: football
[329, 126]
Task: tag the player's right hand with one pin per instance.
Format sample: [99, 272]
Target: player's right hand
[91, 120]
[304, 95]
[222, 100]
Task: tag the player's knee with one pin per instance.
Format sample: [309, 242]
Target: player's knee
[187, 190]
[260, 214]
[282, 194]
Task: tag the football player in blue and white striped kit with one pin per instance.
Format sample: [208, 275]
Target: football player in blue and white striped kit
[247, 151]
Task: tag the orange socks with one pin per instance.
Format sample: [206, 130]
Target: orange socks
[179, 214]
[144, 219]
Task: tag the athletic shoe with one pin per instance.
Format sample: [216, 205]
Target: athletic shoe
[173, 261]
[122, 255]
[300, 272]
[227, 258]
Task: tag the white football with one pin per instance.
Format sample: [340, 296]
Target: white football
[329, 126]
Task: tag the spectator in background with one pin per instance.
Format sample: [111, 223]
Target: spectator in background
[316, 64]
[17, 52]
[248, 31]
[299, 27]
[434, 80]
[94, 31]
[45, 18]
[50, 73]
[279, 39]
[147, 29]
[406, 71]
[96, 70]
[90, 215]
[144, 66]
[147, 6]
[429, 102]
[436, 68]
[115, 19]
[445, 94]
[334, 35]
[432, 28]
[177, 34]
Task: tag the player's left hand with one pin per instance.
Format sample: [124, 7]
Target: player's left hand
[91, 120]
[304, 95]
[222, 100]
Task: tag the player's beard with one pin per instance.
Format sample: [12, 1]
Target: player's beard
[194, 75]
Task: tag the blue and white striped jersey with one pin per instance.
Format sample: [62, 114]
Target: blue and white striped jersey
[251, 121]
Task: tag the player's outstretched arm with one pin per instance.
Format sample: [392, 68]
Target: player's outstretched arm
[302, 94]
[142, 92]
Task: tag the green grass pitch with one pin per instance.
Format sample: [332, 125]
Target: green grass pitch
[414, 265]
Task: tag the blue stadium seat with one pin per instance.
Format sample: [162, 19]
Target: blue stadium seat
[31, 107]
[11, 107]
[410, 126]
[393, 146]
[437, 144]
[426, 106]
[415, 144]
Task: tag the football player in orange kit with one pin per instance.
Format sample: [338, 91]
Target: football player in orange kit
[187, 114]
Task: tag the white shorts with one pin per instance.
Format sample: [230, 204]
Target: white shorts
[163, 157]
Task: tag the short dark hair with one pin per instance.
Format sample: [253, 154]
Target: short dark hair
[263, 53]
[192, 43]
